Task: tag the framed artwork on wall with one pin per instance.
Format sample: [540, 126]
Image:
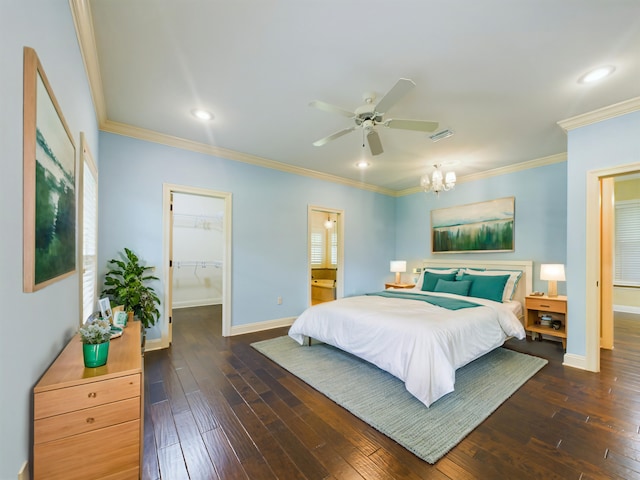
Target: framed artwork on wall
[49, 201]
[473, 228]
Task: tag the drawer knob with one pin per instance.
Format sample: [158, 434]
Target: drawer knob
[91, 420]
[92, 395]
[545, 306]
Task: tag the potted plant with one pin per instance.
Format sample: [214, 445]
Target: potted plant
[126, 284]
[95, 337]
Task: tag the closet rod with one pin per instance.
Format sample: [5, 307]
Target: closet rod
[195, 263]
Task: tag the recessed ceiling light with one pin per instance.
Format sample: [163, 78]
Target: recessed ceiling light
[597, 74]
[362, 164]
[201, 114]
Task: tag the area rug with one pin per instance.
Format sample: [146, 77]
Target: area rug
[382, 401]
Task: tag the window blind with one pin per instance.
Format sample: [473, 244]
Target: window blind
[89, 239]
[627, 243]
[317, 248]
[334, 248]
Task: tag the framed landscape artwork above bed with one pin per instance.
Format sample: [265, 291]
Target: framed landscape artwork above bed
[475, 227]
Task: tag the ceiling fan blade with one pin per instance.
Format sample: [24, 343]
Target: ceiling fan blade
[417, 125]
[374, 143]
[333, 136]
[399, 90]
[327, 107]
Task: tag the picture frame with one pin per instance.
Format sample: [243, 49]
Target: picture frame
[105, 309]
[49, 184]
[481, 227]
[120, 318]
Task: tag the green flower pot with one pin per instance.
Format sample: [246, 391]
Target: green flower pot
[95, 355]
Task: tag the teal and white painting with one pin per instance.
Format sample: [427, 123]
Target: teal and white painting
[476, 227]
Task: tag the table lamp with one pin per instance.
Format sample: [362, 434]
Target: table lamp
[398, 267]
[552, 272]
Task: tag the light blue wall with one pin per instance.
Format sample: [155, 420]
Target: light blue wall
[601, 145]
[269, 233]
[35, 326]
[540, 218]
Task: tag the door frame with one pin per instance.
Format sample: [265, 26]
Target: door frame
[340, 226]
[593, 259]
[168, 190]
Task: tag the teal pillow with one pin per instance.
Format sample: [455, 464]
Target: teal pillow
[460, 287]
[489, 287]
[430, 279]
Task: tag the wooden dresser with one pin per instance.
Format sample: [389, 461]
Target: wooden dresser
[88, 422]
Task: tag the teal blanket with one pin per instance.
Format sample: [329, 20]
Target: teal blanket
[444, 302]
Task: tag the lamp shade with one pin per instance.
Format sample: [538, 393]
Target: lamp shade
[552, 271]
[398, 266]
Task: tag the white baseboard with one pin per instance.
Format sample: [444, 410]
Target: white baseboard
[196, 303]
[260, 326]
[626, 309]
[575, 361]
[154, 344]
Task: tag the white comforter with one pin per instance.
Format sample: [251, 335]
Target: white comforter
[420, 343]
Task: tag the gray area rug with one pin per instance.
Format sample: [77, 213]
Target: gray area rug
[382, 401]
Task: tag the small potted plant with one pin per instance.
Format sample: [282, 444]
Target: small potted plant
[95, 337]
[127, 284]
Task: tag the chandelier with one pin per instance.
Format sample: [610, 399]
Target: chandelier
[438, 182]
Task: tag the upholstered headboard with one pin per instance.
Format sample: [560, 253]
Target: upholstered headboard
[524, 287]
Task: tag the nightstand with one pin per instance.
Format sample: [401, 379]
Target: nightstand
[399, 285]
[556, 307]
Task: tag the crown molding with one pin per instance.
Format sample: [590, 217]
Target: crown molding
[605, 113]
[517, 167]
[83, 21]
[171, 141]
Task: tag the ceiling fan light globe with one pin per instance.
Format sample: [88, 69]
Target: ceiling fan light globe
[424, 181]
[450, 178]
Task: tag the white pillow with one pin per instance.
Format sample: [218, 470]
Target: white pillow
[509, 287]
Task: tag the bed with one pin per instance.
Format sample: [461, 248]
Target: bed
[421, 343]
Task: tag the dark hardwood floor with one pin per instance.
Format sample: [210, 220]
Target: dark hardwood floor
[216, 408]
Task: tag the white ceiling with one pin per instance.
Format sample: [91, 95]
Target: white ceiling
[500, 73]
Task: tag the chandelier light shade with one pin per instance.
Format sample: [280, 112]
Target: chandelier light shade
[398, 267]
[438, 182]
[553, 273]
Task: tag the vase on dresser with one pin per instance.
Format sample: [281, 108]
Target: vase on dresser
[95, 355]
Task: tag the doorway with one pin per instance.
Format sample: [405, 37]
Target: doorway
[594, 263]
[219, 267]
[325, 242]
[196, 250]
[620, 196]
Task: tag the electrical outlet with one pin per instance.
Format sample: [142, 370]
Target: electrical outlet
[279, 300]
[417, 270]
[23, 474]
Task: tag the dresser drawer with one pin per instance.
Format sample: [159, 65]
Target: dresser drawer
[81, 421]
[63, 400]
[105, 453]
[547, 305]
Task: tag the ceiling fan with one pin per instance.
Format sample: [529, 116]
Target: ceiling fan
[370, 115]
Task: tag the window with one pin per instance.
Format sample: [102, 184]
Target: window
[334, 248]
[89, 235]
[317, 248]
[324, 241]
[627, 243]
